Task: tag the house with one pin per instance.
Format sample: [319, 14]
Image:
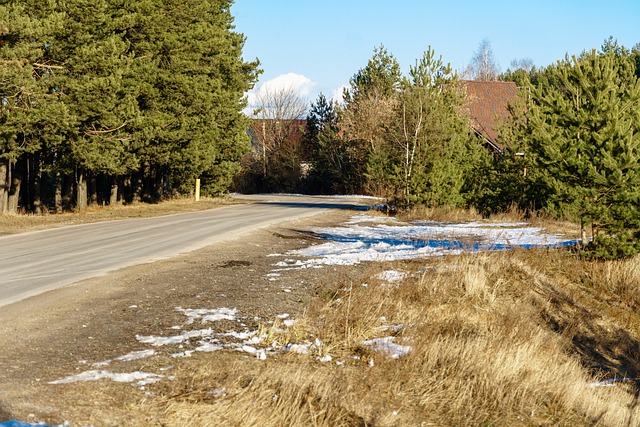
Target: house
[488, 106]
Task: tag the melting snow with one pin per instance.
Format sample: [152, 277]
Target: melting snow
[391, 276]
[140, 378]
[388, 347]
[385, 239]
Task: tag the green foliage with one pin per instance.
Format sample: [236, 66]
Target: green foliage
[151, 91]
[582, 147]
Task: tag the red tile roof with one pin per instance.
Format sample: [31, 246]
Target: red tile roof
[488, 103]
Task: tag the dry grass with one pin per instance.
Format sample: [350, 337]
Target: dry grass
[19, 223]
[513, 338]
[505, 339]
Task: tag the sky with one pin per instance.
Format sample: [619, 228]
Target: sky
[317, 47]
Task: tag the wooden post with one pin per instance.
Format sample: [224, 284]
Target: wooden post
[197, 189]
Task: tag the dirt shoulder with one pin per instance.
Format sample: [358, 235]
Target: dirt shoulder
[63, 332]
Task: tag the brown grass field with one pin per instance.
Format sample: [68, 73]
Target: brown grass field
[509, 339]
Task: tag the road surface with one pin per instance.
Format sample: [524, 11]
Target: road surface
[36, 262]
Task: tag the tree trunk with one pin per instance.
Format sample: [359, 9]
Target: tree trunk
[57, 197]
[93, 190]
[4, 186]
[35, 178]
[67, 195]
[113, 195]
[137, 185]
[583, 234]
[81, 192]
[14, 191]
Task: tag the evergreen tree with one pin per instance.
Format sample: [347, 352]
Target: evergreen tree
[96, 59]
[30, 111]
[431, 151]
[584, 134]
[190, 80]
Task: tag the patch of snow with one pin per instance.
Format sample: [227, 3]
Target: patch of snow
[209, 347]
[299, 348]
[391, 276]
[208, 315]
[135, 355]
[613, 381]
[388, 241]
[140, 378]
[158, 341]
[388, 347]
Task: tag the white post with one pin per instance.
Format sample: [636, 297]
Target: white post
[197, 189]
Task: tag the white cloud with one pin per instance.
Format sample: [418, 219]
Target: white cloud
[338, 94]
[300, 84]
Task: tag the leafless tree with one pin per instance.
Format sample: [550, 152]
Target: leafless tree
[279, 112]
[525, 64]
[483, 64]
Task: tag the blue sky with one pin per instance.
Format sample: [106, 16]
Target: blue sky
[318, 46]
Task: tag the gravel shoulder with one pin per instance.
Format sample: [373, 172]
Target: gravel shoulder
[62, 332]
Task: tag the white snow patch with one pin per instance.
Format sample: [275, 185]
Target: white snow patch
[140, 378]
[208, 315]
[158, 341]
[209, 347]
[391, 276]
[389, 240]
[388, 347]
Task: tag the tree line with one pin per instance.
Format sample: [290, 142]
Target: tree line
[571, 147]
[103, 101]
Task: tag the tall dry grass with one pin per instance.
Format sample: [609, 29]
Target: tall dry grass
[517, 338]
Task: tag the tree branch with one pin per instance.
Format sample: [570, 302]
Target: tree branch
[100, 132]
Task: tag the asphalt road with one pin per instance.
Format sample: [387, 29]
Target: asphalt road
[36, 262]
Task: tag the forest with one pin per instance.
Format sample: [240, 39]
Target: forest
[111, 101]
[114, 101]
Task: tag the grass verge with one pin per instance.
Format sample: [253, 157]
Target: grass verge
[509, 338]
[20, 223]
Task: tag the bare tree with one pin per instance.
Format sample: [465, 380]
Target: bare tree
[525, 64]
[278, 112]
[483, 64]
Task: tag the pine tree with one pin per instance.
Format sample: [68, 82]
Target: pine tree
[429, 153]
[584, 133]
[191, 79]
[30, 111]
[96, 59]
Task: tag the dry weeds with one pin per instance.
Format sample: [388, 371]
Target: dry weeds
[515, 338]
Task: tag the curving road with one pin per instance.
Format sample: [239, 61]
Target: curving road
[33, 263]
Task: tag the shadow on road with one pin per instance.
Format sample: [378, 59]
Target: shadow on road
[319, 205]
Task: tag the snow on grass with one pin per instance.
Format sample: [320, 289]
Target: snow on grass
[391, 276]
[134, 355]
[373, 238]
[159, 341]
[139, 378]
[388, 347]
